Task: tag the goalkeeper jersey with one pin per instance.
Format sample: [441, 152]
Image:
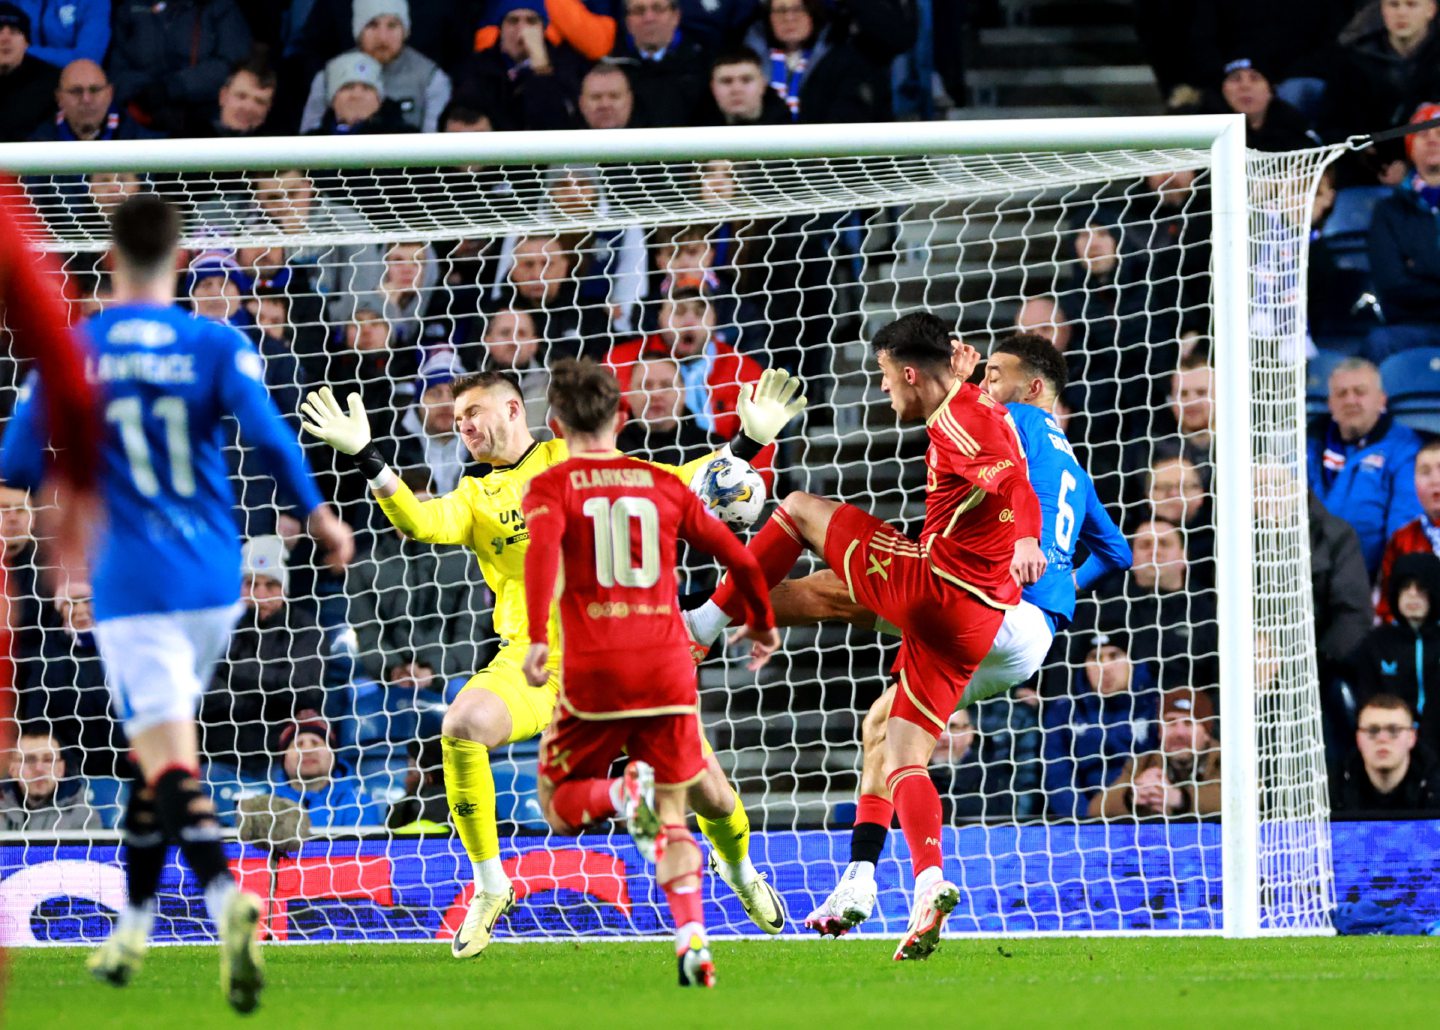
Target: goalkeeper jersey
[483, 513]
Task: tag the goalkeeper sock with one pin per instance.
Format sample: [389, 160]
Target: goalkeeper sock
[188, 818]
[918, 804]
[777, 547]
[470, 793]
[582, 802]
[730, 838]
[145, 850]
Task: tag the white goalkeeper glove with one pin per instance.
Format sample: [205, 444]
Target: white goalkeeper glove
[348, 433]
[768, 405]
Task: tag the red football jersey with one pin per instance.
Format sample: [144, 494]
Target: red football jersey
[978, 498]
[612, 522]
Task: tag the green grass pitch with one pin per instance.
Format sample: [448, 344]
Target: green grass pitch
[1315, 983]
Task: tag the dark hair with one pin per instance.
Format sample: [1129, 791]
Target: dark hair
[486, 380]
[918, 339]
[463, 111]
[1038, 357]
[583, 395]
[257, 65]
[738, 55]
[1432, 444]
[146, 231]
[1387, 703]
[1199, 357]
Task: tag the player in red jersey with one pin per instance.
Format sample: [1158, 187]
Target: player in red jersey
[627, 678]
[947, 593]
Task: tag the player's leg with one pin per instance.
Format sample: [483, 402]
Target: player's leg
[496, 707]
[725, 824]
[120, 957]
[678, 870]
[853, 899]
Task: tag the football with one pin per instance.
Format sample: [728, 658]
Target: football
[732, 491]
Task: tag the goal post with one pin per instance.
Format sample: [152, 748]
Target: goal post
[852, 225]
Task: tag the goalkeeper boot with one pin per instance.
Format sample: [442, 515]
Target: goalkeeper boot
[242, 971]
[849, 904]
[120, 957]
[697, 968]
[760, 901]
[485, 911]
[642, 822]
[922, 936]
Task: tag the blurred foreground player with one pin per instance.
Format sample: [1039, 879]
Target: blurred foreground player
[166, 570]
[628, 681]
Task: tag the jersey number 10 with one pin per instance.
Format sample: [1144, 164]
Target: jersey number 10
[127, 413]
[614, 557]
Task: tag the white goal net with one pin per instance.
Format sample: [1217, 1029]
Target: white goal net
[689, 275]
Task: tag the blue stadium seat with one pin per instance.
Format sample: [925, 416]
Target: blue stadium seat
[1317, 382]
[106, 796]
[1346, 232]
[226, 786]
[1412, 382]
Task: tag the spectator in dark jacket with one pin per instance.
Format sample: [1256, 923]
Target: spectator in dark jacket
[415, 83]
[1270, 123]
[1402, 657]
[815, 69]
[1340, 586]
[27, 84]
[1286, 36]
[607, 98]
[68, 31]
[243, 105]
[1420, 536]
[1107, 715]
[1361, 462]
[274, 666]
[523, 80]
[1388, 771]
[740, 94]
[86, 102]
[666, 67]
[1405, 251]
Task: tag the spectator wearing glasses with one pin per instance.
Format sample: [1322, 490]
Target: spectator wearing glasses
[1402, 657]
[86, 109]
[666, 67]
[1388, 771]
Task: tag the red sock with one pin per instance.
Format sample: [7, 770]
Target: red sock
[581, 802]
[686, 903]
[872, 808]
[777, 547]
[918, 804]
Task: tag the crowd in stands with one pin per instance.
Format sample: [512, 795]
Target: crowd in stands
[331, 695]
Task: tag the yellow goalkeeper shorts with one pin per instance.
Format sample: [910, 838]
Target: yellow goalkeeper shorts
[531, 708]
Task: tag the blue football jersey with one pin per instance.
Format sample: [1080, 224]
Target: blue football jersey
[167, 379]
[1071, 514]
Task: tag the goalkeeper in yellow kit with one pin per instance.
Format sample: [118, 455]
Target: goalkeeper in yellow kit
[498, 706]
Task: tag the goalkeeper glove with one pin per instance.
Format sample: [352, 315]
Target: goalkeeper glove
[347, 432]
[765, 408]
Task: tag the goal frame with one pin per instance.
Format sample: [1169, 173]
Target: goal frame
[1222, 135]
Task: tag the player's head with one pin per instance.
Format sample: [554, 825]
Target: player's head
[1025, 368]
[914, 357]
[584, 397]
[490, 416]
[145, 232]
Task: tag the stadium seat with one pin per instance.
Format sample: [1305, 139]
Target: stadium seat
[227, 785]
[1346, 232]
[106, 795]
[1412, 382]
[515, 780]
[1317, 382]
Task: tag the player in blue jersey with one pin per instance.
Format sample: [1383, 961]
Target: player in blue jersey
[165, 567]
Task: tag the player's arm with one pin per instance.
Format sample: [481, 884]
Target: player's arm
[1109, 550]
[22, 453]
[544, 512]
[243, 394]
[443, 520]
[710, 535]
[766, 406]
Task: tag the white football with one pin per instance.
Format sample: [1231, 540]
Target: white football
[731, 490]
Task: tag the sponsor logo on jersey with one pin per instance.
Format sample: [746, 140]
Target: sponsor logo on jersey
[1374, 461]
[1007, 515]
[1389, 668]
[994, 470]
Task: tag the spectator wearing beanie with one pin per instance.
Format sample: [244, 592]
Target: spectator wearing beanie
[70, 31]
[590, 34]
[416, 85]
[356, 100]
[27, 84]
[168, 61]
[1271, 124]
[527, 78]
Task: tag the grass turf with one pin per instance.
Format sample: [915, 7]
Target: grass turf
[1326, 983]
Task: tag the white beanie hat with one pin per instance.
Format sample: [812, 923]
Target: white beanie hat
[264, 556]
[353, 66]
[366, 11]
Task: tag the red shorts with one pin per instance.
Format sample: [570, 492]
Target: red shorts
[946, 630]
[584, 749]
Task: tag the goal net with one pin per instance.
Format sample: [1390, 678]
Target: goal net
[1170, 271]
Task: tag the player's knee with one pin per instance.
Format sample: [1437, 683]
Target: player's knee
[712, 797]
[470, 718]
[555, 822]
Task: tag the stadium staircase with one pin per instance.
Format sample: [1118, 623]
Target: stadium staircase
[804, 759]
